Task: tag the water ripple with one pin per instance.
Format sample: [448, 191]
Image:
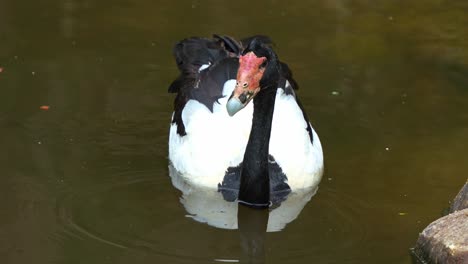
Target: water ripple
[140, 212]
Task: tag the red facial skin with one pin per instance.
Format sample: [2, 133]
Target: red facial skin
[249, 75]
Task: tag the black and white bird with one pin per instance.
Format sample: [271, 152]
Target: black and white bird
[238, 123]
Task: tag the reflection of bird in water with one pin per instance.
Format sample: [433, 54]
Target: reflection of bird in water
[252, 227]
[208, 206]
[254, 152]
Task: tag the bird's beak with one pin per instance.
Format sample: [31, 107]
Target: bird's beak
[248, 82]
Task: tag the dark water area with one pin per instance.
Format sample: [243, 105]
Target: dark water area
[385, 84]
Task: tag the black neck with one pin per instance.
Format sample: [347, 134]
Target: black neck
[254, 188]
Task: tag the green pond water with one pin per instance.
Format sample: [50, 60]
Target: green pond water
[385, 84]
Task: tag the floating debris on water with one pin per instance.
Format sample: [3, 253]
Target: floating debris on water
[335, 93]
[227, 260]
[402, 214]
[44, 107]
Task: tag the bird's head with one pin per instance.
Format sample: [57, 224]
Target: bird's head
[258, 70]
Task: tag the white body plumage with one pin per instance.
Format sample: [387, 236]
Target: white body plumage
[214, 141]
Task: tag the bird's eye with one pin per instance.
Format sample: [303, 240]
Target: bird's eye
[263, 65]
[237, 83]
[245, 84]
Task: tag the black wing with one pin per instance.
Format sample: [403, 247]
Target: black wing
[205, 86]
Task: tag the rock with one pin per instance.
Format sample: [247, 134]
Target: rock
[445, 240]
[461, 201]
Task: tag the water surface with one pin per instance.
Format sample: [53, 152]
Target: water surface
[87, 181]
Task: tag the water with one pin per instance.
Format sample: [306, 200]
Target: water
[87, 181]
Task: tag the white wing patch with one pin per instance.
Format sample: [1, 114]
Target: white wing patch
[204, 67]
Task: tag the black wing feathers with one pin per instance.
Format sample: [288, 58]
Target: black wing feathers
[231, 45]
[205, 86]
[211, 82]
